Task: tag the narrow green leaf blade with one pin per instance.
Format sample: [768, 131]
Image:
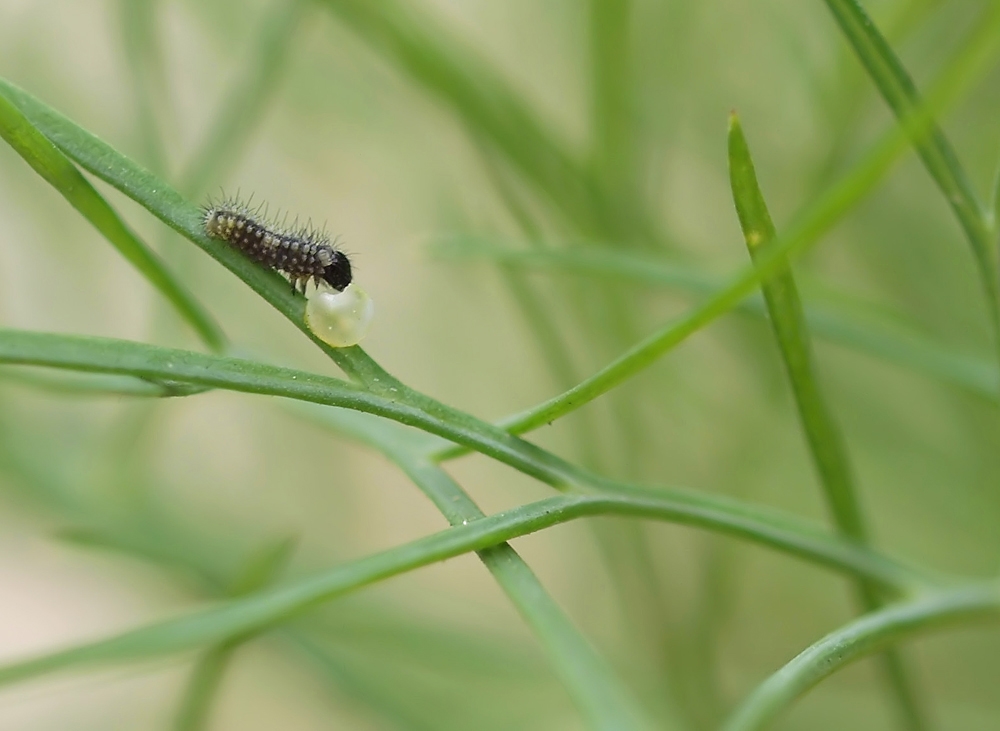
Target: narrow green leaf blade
[878, 336]
[900, 93]
[53, 166]
[597, 691]
[711, 511]
[788, 322]
[822, 434]
[263, 610]
[203, 688]
[73, 384]
[862, 637]
[805, 231]
[160, 199]
[479, 95]
[260, 570]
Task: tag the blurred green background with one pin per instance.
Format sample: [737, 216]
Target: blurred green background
[117, 511]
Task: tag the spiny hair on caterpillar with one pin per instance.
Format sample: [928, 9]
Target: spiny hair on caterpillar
[302, 253]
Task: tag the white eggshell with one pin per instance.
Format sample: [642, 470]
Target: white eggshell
[340, 319]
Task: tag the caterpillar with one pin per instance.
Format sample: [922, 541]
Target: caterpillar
[302, 253]
[339, 317]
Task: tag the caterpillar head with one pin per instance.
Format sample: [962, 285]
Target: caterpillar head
[338, 272]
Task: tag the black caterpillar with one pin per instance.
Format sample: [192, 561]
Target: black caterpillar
[301, 253]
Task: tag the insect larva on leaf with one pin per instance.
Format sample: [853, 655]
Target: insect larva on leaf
[301, 253]
[338, 313]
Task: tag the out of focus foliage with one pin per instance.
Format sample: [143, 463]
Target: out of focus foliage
[527, 191]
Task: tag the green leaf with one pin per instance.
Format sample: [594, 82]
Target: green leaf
[865, 333]
[826, 444]
[153, 194]
[263, 610]
[264, 567]
[900, 93]
[995, 207]
[492, 110]
[600, 695]
[40, 153]
[72, 384]
[155, 363]
[202, 688]
[170, 207]
[390, 702]
[804, 231]
[726, 515]
[788, 322]
[862, 637]
[616, 144]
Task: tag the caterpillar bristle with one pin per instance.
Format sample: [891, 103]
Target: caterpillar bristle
[302, 253]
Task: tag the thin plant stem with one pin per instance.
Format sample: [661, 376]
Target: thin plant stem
[864, 636]
[823, 436]
[936, 152]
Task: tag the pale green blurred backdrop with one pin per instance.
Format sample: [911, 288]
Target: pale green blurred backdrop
[345, 136]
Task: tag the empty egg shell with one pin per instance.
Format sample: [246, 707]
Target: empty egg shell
[340, 319]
